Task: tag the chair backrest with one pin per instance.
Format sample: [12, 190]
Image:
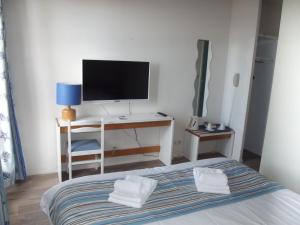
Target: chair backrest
[86, 128]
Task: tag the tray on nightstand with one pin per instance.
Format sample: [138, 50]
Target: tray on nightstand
[206, 135]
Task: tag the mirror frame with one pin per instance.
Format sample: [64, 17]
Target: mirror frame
[202, 91]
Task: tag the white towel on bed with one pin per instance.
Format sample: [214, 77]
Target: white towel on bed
[128, 187]
[147, 184]
[214, 189]
[123, 201]
[210, 176]
[211, 180]
[132, 199]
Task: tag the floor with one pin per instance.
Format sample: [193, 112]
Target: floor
[24, 198]
[251, 159]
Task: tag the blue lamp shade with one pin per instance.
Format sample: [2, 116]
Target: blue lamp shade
[68, 94]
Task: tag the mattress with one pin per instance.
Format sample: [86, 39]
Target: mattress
[254, 199]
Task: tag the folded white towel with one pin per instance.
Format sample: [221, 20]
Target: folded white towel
[132, 199]
[128, 187]
[210, 176]
[127, 197]
[147, 184]
[211, 181]
[213, 189]
[208, 170]
[118, 200]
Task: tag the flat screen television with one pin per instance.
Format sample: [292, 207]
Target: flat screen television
[108, 80]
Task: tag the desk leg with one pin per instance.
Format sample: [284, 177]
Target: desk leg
[226, 147]
[191, 146]
[58, 150]
[102, 146]
[231, 147]
[166, 144]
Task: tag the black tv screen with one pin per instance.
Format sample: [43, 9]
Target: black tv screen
[106, 80]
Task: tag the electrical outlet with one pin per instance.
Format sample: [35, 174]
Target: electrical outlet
[178, 142]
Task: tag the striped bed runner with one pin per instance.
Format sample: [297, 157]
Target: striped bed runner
[175, 195]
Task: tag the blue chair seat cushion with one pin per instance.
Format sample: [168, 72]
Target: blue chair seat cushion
[85, 145]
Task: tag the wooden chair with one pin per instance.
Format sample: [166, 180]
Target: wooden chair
[85, 147]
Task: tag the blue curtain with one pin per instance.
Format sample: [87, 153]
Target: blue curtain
[11, 153]
[3, 202]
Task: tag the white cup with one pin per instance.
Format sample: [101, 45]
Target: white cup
[221, 127]
[209, 127]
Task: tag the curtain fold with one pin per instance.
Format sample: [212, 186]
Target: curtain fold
[11, 153]
[3, 201]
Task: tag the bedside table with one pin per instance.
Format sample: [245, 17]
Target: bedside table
[194, 139]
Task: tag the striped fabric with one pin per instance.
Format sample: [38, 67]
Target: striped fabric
[175, 195]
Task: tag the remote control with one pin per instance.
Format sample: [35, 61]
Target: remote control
[162, 114]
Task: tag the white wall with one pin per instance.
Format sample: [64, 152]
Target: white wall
[47, 39]
[241, 51]
[281, 152]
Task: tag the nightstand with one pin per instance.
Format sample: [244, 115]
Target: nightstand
[195, 140]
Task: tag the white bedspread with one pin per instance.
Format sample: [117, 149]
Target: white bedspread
[277, 208]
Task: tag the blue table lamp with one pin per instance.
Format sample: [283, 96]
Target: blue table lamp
[68, 95]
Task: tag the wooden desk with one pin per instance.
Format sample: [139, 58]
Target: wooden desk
[194, 138]
[166, 125]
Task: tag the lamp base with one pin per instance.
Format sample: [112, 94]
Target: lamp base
[68, 114]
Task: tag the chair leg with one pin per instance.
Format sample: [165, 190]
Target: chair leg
[102, 164]
[96, 167]
[70, 167]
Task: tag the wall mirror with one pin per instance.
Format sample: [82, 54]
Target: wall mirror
[202, 78]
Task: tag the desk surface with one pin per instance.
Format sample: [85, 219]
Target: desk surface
[116, 119]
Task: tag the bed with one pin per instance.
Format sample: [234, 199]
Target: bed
[253, 200]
